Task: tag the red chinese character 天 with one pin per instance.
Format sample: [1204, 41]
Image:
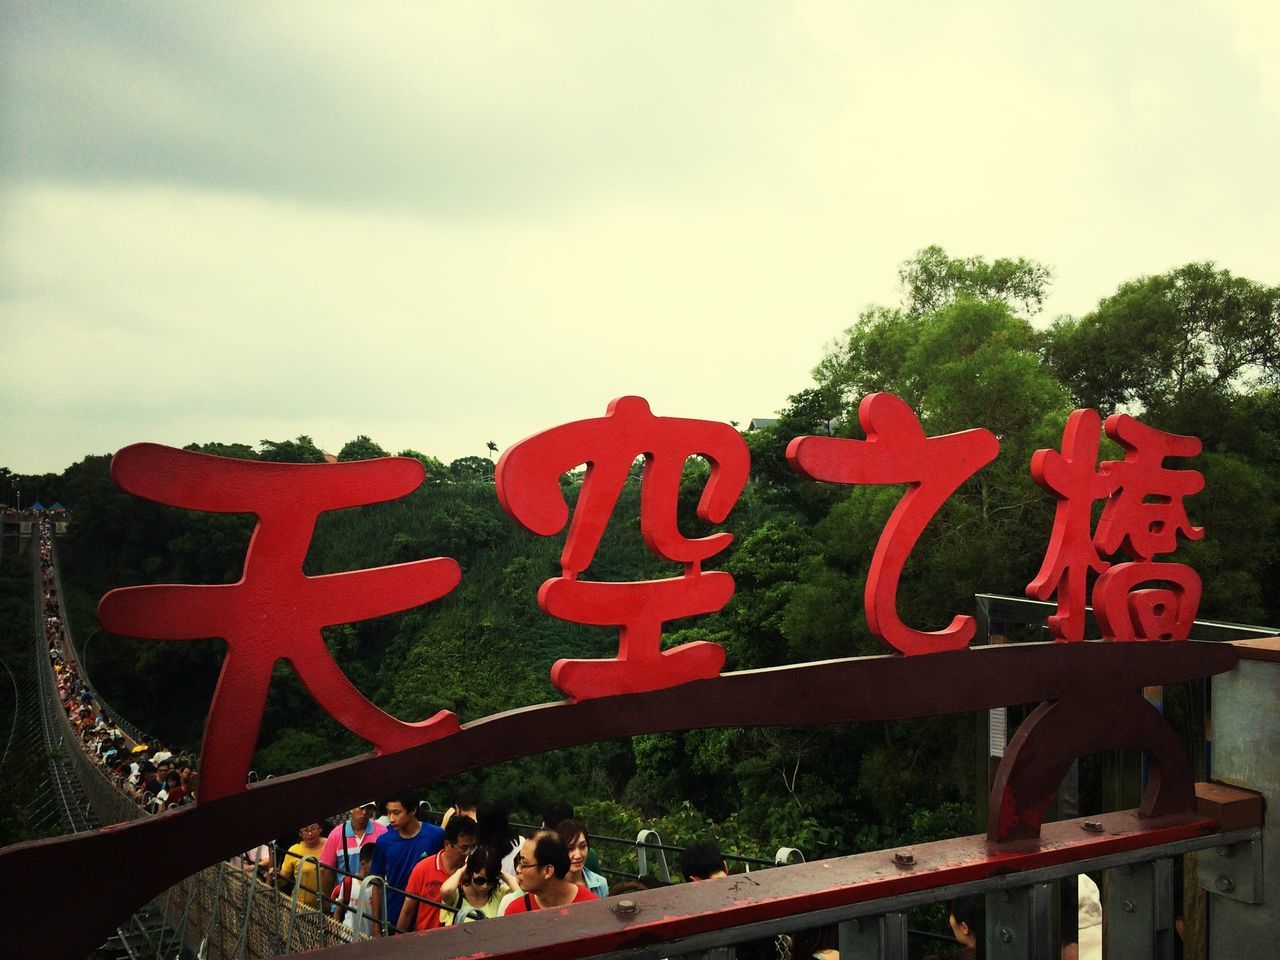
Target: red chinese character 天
[897, 451]
[1143, 516]
[275, 612]
[528, 485]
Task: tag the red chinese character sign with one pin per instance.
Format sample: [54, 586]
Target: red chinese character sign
[897, 451]
[528, 483]
[275, 612]
[1143, 516]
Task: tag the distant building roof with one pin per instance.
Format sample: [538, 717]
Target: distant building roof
[759, 423]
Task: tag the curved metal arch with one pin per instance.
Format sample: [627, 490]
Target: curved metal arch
[1061, 731]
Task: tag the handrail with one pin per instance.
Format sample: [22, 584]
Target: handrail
[854, 892]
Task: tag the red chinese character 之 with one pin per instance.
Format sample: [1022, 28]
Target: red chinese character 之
[275, 612]
[1143, 517]
[897, 451]
[528, 485]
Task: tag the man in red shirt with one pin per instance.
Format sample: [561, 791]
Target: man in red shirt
[430, 872]
[540, 870]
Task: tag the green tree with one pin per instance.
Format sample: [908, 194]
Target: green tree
[437, 472]
[932, 280]
[882, 349]
[471, 469]
[1159, 341]
[361, 448]
[239, 451]
[300, 450]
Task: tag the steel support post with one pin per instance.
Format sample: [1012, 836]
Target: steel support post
[875, 938]
[1020, 923]
[1246, 729]
[1139, 910]
[645, 839]
[242, 948]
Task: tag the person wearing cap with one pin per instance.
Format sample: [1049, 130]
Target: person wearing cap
[342, 846]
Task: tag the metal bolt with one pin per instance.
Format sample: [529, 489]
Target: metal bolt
[904, 859]
[1093, 826]
[1006, 935]
[625, 907]
[1225, 884]
[1224, 852]
[1128, 906]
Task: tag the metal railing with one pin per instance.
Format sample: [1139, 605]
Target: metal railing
[860, 904]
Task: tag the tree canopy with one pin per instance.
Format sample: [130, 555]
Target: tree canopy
[1193, 350]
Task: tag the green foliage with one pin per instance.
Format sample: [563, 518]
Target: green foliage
[361, 448]
[239, 451]
[1196, 348]
[1195, 330]
[294, 749]
[471, 470]
[300, 450]
[932, 280]
[437, 472]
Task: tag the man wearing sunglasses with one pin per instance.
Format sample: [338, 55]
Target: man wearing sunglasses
[541, 870]
[431, 872]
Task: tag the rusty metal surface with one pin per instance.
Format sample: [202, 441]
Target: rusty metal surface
[1057, 733]
[769, 895]
[857, 689]
[1232, 807]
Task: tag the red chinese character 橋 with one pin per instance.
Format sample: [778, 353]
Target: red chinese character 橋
[897, 451]
[528, 485]
[275, 612]
[1143, 517]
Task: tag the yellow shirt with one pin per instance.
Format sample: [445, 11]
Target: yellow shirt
[308, 880]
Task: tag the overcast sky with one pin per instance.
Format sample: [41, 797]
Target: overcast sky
[441, 224]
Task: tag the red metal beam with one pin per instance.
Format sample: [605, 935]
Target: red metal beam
[672, 913]
[810, 694]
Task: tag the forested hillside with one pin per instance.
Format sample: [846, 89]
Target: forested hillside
[1193, 351]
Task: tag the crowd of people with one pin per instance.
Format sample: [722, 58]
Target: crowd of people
[149, 774]
[384, 870]
[38, 513]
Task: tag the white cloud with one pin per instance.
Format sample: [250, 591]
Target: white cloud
[445, 224]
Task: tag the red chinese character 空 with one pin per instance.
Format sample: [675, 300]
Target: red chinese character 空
[1143, 517]
[528, 485]
[897, 451]
[275, 612]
